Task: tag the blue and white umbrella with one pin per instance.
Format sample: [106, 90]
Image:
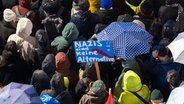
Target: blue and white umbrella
[129, 39]
[16, 93]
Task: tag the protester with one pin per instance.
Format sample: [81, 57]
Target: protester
[26, 44]
[157, 97]
[58, 90]
[136, 93]
[8, 24]
[41, 77]
[97, 94]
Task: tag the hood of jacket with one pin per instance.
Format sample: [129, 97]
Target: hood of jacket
[57, 83]
[42, 40]
[48, 65]
[131, 81]
[24, 28]
[70, 32]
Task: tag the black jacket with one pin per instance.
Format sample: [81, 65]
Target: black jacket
[85, 22]
[41, 78]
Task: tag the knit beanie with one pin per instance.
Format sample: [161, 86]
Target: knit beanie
[98, 87]
[94, 5]
[156, 95]
[9, 15]
[62, 62]
[105, 4]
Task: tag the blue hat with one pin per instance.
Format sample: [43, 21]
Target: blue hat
[106, 4]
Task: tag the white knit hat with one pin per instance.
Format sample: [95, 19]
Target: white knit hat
[140, 23]
[9, 15]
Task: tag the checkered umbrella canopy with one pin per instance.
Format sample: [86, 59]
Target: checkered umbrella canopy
[129, 39]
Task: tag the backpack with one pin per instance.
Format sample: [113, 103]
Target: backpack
[19, 15]
[180, 19]
[53, 25]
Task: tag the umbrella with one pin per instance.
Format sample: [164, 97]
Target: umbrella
[129, 39]
[177, 49]
[15, 93]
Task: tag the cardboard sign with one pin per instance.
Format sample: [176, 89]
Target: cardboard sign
[94, 51]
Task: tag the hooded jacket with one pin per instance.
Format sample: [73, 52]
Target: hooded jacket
[41, 78]
[126, 96]
[96, 95]
[42, 41]
[85, 23]
[26, 43]
[58, 90]
[69, 34]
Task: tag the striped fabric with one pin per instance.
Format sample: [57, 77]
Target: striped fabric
[129, 39]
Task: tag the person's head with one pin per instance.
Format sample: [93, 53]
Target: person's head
[98, 87]
[164, 55]
[140, 23]
[90, 71]
[169, 29]
[42, 40]
[57, 83]
[106, 4]
[11, 46]
[25, 3]
[131, 81]
[83, 5]
[99, 27]
[156, 97]
[146, 8]
[10, 16]
[24, 27]
[62, 62]
[125, 18]
[173, 78]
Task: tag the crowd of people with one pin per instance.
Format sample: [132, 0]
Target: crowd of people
[36, 47]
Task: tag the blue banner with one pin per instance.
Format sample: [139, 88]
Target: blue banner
[94, 51]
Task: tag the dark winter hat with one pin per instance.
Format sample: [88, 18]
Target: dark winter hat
[105, 4]
[125, 18]
[90, 71]
[147, 7]
[169, 2]
[169, 29]
[164, 41]
[83, 5]
[156, 95]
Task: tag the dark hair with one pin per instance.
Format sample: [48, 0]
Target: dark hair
[11, 46]
[163, 51]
